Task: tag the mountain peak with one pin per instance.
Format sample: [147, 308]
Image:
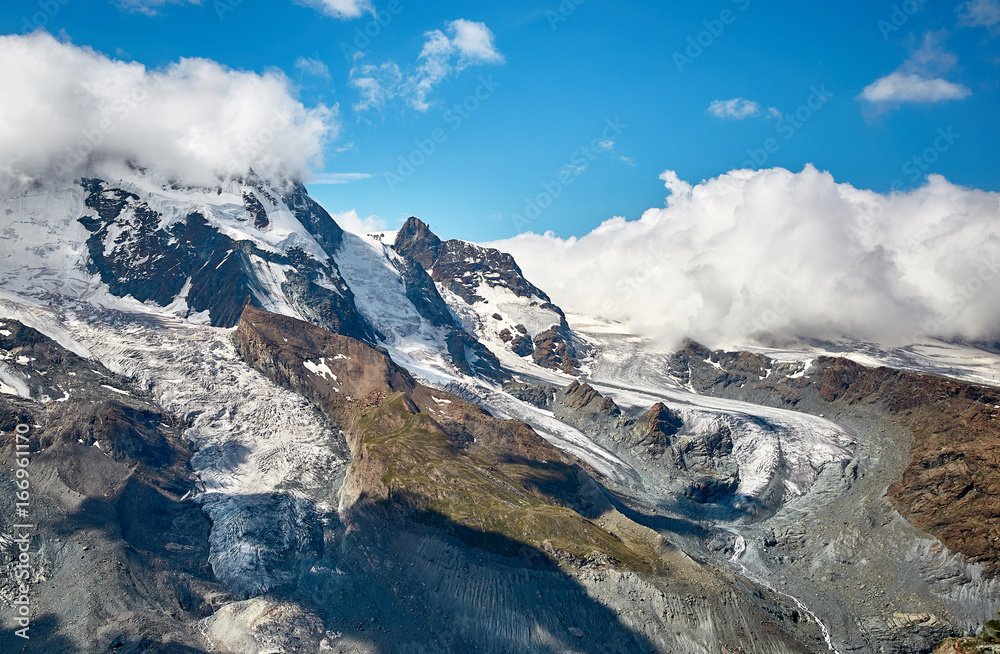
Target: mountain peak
[416, 240]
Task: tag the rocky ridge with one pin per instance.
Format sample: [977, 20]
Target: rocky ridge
[491, 294]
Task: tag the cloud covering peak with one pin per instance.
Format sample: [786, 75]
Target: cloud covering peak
[773, 256]
[66, 108]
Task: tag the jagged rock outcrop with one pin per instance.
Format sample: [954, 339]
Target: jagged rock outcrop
[655, 430]
[449, 261]
[470, 271]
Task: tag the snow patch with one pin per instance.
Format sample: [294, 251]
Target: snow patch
[320, 369]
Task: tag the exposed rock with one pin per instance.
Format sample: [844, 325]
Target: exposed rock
[540, 396]
[467, 353]
[951, 486]
[192, 260]
[524, 494]
[554, 349]
[448, 261]
[655, 430]
[465, 269]
[522, 346]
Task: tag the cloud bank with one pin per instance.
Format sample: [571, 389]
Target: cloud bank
[65, 109]
[772, 257]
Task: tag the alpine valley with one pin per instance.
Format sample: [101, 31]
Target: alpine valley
[253, 432]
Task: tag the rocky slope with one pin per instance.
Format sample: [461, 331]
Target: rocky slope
[428, 466]
[110, 484]
[951, 484]
[916, 428]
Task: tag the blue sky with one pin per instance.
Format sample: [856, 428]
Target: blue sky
[605, 96]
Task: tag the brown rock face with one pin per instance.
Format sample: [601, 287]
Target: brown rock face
[554, 350]
[579, 396]
[951, 488]
[656, 427]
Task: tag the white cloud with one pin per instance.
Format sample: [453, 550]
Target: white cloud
[343, 9]
[474, 42]
[736, 108]
[984, 13]
[919, 79]
[604, 146]
[902, 87]
[774, 112]
[312, 67]
[771, 255]
[469, 44]
[350, 221]
[151, 7]
[338, 178]
[629, 160]
[376, 84]
[67, 108]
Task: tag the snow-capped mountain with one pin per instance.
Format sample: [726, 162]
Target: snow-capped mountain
[286, 437]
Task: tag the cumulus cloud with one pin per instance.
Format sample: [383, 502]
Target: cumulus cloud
[350, 221]
[65, 109]
[342, 9]
[919, 79]
[980, 13]
[772, 256]
[736, 108]
[465, 44]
